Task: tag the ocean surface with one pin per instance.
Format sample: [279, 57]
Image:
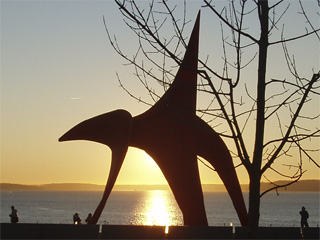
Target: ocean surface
[155, 207]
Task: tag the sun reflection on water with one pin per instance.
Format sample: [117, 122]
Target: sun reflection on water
[156, 211]
[159, 209]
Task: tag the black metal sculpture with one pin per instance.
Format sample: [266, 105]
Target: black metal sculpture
[173, 135]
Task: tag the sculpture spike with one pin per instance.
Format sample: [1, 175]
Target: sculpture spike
[182, 93]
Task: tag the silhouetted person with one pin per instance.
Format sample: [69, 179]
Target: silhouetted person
[14, 215]
[76, 219]
[304, 219]
[89, 219]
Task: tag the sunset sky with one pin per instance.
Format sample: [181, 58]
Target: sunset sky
[58, 69]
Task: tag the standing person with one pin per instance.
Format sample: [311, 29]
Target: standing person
[76, 219]
[304, 219]
[14, 215]
[89, 219]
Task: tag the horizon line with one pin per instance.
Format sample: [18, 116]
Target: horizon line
[143, 184]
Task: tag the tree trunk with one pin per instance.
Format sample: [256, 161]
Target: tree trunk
[255, 169]
[254, 205]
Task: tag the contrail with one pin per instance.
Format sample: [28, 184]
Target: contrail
[75, 98]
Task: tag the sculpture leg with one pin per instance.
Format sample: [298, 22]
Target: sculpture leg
[183, 178]
[216, 153]
[118, 156]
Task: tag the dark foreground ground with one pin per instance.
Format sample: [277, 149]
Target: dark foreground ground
[69, 231]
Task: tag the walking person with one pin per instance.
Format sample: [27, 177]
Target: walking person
[14, 215]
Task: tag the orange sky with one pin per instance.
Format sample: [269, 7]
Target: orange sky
[59, 69]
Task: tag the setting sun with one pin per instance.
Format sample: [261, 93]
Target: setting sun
[140, 168]
[149, 162]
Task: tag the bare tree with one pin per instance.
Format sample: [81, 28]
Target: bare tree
[243, 95]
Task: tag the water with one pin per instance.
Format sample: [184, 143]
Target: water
[152, 207]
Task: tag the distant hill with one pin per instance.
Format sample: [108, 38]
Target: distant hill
[77, 187]
[52, 187]
[19, 187]
[300, 186]
[303, 185]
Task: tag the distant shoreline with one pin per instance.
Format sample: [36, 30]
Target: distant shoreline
[301, 186]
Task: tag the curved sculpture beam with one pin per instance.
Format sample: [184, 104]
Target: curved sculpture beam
[173, 135]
